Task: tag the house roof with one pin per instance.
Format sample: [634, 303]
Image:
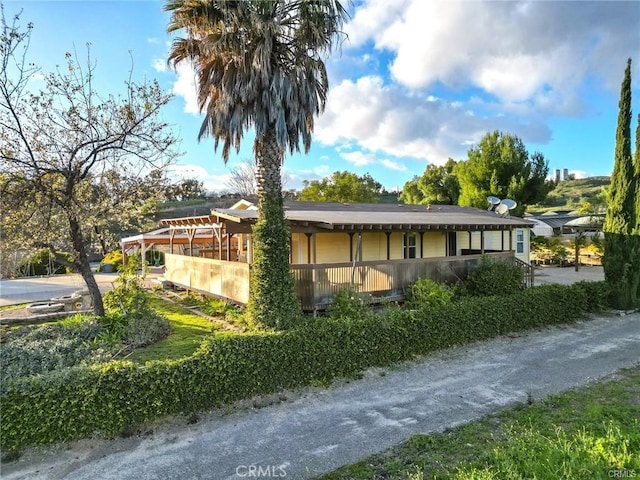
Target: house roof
[559, 221]
[354, 217]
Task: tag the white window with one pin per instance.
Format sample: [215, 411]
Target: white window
[409, 243]
[519, 241]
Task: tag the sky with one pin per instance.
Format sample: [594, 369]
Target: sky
[416, 81]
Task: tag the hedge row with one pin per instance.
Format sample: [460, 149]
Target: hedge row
[111, 398]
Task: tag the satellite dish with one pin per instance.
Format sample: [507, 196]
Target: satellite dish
[511, 204]
[492, 201]
[502, 209]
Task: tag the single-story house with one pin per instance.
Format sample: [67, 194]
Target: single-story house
[379, 248]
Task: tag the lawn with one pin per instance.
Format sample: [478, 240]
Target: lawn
[592, 432]
[188, 331]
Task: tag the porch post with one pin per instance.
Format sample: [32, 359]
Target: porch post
[143, 257]
[250, 249]
[405, 239]
[482, 242]
[502, 239]
[229, 235]
[510, 239]
[469, 242]
[172, 233]
[314, 258]
[422, 244]
[350, 246]
[388, 234]
[309, 235]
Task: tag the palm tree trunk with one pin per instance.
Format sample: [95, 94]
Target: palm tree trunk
[272, 301]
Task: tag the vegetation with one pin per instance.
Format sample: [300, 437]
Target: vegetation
[501, 166]
[78, 401]
[591, 432]
[585, 194]
[264, 70]
[437, 185]
[343, 187]
[73, 162]
[495, 277]
[188, 330]
[43, 262]
[621, 260]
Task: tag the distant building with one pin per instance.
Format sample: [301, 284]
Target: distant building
[561, 175]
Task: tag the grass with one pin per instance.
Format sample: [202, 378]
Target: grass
[188, 331]
[592, 432]
[6, 308]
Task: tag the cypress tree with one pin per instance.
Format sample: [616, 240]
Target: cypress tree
[621, 247]
[637, 178]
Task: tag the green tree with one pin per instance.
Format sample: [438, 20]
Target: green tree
[344, 187]
[259, 64]
[187, 189]
[637, 178]
[437, 185]
[72, 161]
[622, 247]
[501, 166]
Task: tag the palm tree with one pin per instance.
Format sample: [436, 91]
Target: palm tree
[259, 64]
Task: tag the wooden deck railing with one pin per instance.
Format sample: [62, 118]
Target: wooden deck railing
[229, 280]
[317, 283]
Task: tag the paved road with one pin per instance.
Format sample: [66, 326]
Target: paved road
[35, 289]
[329, 428]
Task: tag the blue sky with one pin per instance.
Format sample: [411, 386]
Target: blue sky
[417, 82]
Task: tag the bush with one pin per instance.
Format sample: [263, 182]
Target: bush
[427, 293]
[349, 304]
[35, 350]
[113, 258]
[130, 318]
[110, 398]
[43, 262]
[494, 277]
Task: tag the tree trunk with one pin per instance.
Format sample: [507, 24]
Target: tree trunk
[77, 240]
[272, 300]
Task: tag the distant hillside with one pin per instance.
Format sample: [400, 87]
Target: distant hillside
[568, 194]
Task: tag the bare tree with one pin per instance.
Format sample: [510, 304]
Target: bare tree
[242, 180]
[73, 162]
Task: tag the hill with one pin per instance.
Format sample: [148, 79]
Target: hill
[569, 194]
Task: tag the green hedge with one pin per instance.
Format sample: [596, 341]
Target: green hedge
[111, 398]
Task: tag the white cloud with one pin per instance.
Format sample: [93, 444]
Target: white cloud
[36, 76]
[359, 159]
[159, 65]
[213, 182]
[384, 119]
[185, 87]
[539, 52]
[391, 165]
[579, 173]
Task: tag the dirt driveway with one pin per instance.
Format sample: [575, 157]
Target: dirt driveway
[324, 429]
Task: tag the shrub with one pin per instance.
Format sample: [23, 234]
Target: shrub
[494, 277]
[428, 293]
[113, 258]
[43, 262]
[349, 304]
[35, 350]
[130, 318]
